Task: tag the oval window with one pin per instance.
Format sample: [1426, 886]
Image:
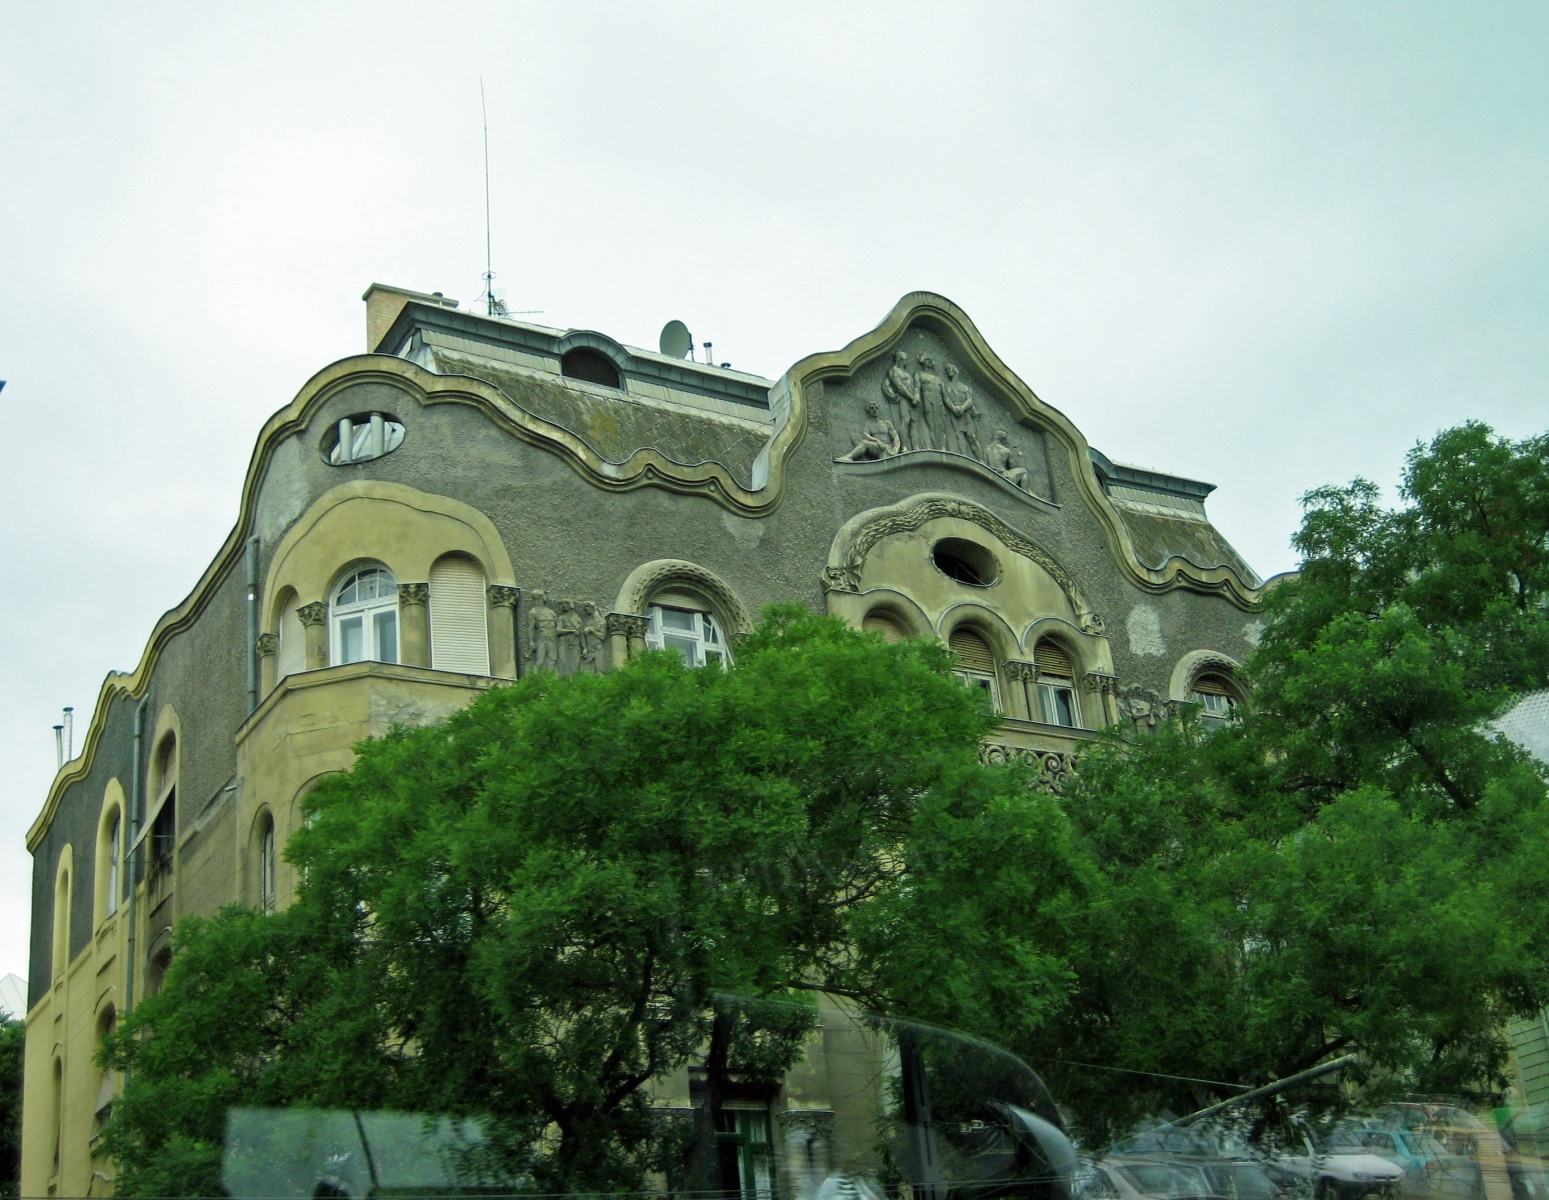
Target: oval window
[361, 438]
[966, 562]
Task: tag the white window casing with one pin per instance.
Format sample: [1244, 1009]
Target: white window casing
[459, 626]
[364, 617]
[694, 634]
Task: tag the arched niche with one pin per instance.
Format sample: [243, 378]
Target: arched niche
[1204, 662]
[683, 578]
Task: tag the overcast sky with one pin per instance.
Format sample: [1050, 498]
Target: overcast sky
[1270, 246]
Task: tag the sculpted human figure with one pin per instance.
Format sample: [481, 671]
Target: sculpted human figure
[878, 440]
[899, 387]
[1000, 461]
[959, 399]
[1142, 706]
[594, 634]
[542, 634]
[933, 407]
[567, 631]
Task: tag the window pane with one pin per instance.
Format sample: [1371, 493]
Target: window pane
[676, 618]
[1065, 706]
[386, 636]
[711, 635]
[348, 593]
[1046, 703]
[687, 647]
[352, 641]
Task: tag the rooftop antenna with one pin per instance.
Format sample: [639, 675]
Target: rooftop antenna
[493, 305]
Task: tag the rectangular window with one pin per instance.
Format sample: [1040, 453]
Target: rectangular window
[386, 631]
[746, 1154]
[352, 639]
[1058, 701]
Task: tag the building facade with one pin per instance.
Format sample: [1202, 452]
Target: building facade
[477, 498]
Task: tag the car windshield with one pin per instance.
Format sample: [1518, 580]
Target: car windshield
[1159, 1179]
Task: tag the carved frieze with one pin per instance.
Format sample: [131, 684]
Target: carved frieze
[565, 637]
[1054, 767]
[919, 401]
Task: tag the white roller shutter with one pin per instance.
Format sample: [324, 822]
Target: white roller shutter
[459, 632]
[292, 656]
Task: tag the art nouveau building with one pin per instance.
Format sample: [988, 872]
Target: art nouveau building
[475, 498]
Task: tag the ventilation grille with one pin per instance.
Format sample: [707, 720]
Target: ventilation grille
[972, 653]
[1050, 659]
[1211, 685]
[291, 658]
[459, 636]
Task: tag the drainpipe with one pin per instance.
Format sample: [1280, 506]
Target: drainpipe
[252, 623]
[136, 804]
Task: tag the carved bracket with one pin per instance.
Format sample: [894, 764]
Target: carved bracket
[267, 644]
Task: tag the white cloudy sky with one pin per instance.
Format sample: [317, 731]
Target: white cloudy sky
[1268, 245]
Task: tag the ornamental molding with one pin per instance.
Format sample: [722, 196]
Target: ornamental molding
[315, 613]
[414, 593]
[502, 596]
[860, 535]
[938, 315]
[267, 644]
[664, 573]
[630, 625]
[1194, 663]
[1053, 767]
[1101, 683]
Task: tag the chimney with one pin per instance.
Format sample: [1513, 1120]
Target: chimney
[383, 304]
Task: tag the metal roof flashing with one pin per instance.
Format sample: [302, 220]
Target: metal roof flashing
[1109, 471]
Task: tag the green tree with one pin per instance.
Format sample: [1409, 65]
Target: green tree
[527, 914]
[1355, 863]
[13, 1036]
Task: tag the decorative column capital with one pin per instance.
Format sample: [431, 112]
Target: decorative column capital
[414, 593]
[628, 624]
[268, 644]
[1020, 670]
[501, 596]
[814, 1122]
[1101, 683]
[315, 613]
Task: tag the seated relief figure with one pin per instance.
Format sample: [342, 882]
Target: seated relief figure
[878, 440]
[1002, 462]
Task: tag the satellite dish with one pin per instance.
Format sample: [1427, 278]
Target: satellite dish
[675, 340]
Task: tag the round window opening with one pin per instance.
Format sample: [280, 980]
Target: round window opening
[361, 438]
[965, 561]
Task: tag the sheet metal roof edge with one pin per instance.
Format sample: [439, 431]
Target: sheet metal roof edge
[1144, 477]
[738, 386]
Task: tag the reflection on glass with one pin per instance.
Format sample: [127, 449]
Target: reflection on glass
[352, 641]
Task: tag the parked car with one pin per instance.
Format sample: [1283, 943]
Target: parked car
[1136, 1178]
[1340, 1168]
[1430, 1169]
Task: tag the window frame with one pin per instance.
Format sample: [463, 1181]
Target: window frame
[1216, 708]
[369, 612]
[268, 886]
[1049, 689]
[657, 633]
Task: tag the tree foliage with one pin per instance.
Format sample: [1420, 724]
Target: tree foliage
[1355, 863]
[12, 1037]
[527, 914]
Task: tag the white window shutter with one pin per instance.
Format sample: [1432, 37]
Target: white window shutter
[292, 657]
[459, 632]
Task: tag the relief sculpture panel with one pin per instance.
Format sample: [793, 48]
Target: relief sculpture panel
[566, 637]
[919, 401]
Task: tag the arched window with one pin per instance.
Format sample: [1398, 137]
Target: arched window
[459, 627]
[161, 843]
[59, 1110]
[62, 915]
[883, 623]
[681, 623]
[1056, 684]
[975, 663]
[1216, 696]
[107, 1082]
[590, 365]
[291, 658]
[115, 852]
[268, 892]
[156, 971]
[365, 616]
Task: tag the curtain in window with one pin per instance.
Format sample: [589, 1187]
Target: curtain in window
[459, 633]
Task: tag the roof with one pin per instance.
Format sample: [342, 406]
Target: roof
[13, 997]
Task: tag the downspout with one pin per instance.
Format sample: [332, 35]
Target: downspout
[252, 623]
[136, 805]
